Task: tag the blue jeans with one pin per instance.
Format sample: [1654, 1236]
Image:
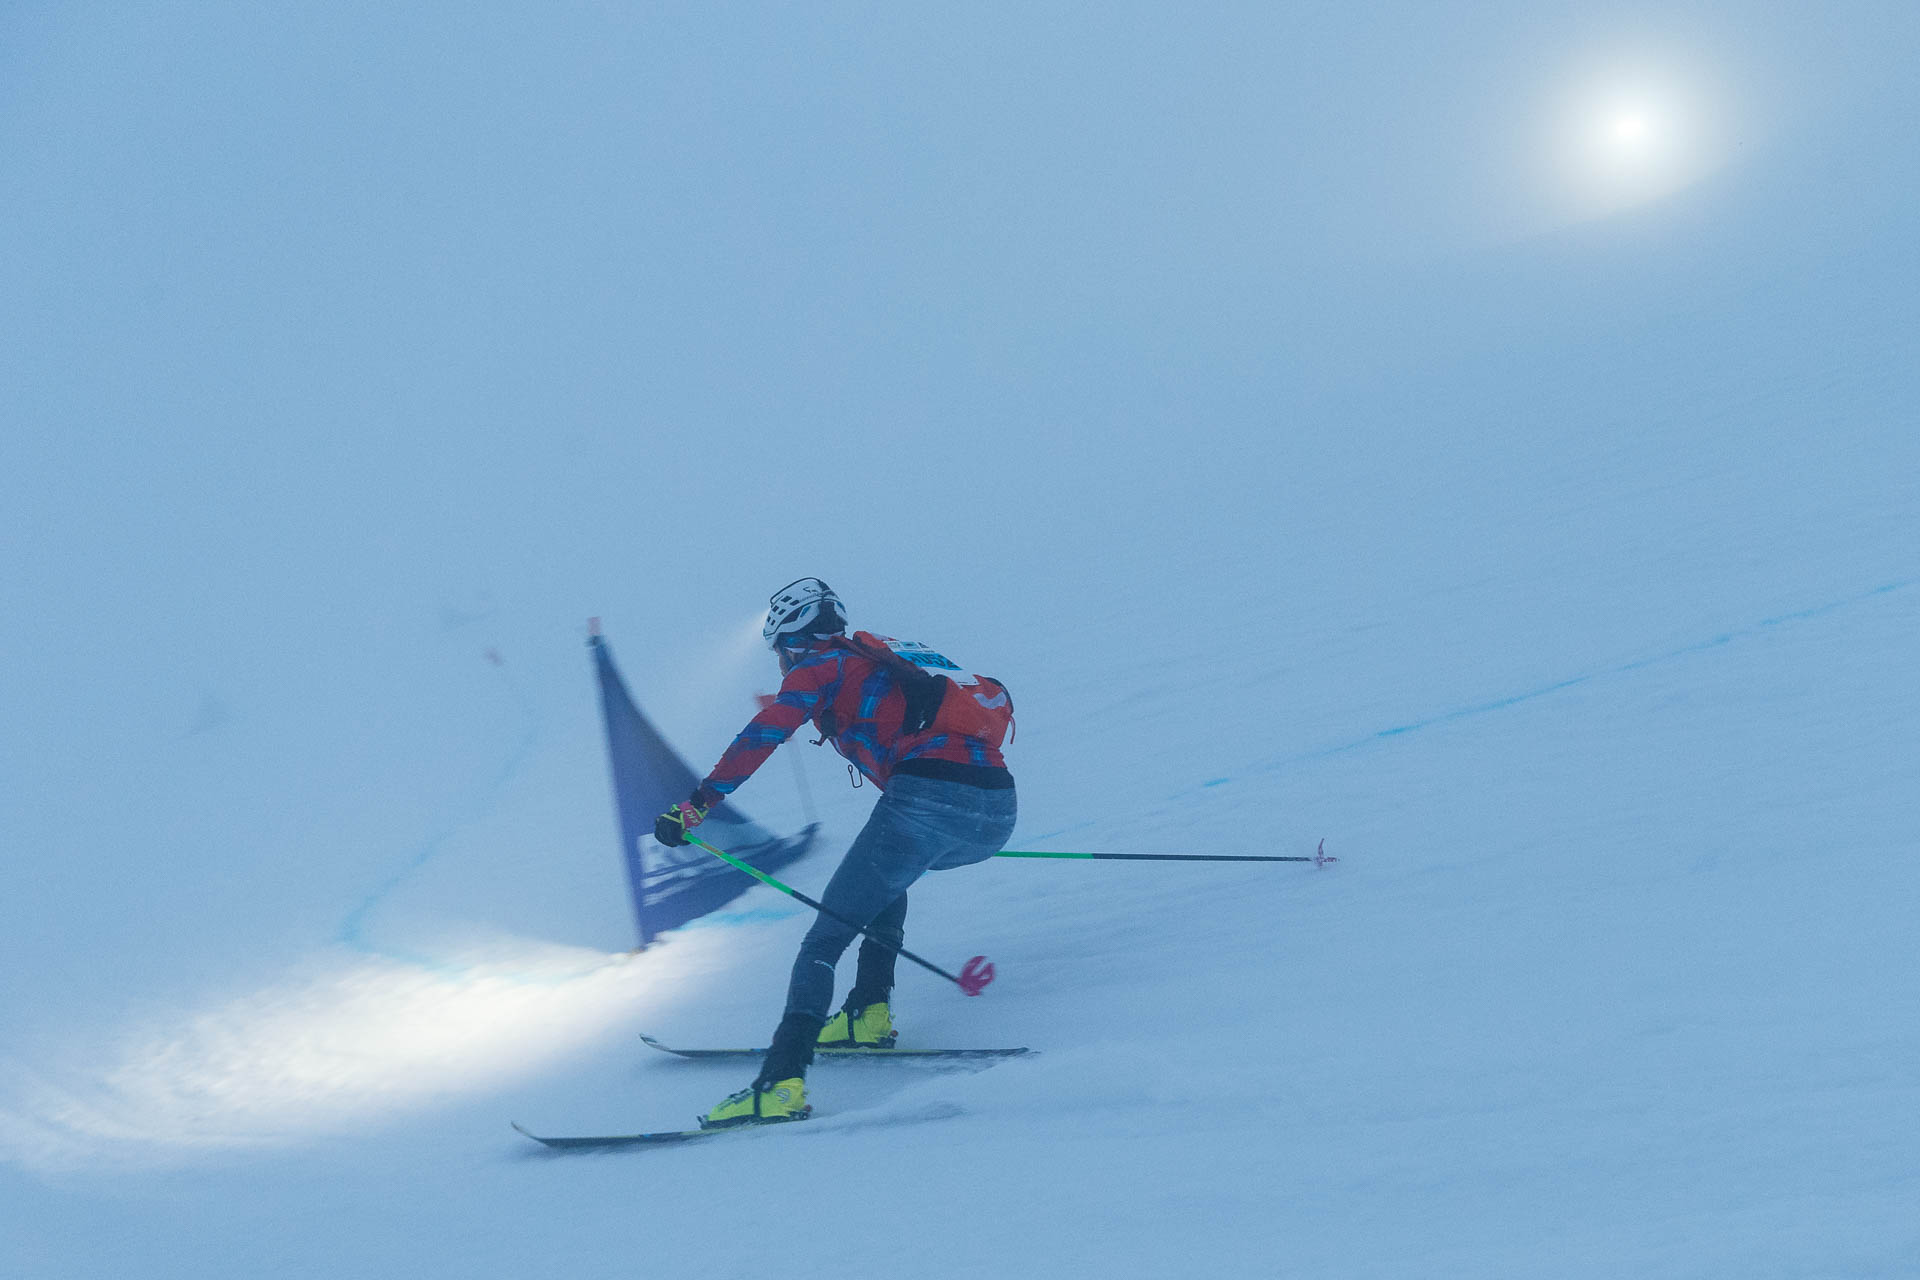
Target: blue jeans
[918, 825]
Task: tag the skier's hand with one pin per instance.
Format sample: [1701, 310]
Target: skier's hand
[671, 827]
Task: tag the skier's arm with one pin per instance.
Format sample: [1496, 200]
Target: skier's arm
[807, 688]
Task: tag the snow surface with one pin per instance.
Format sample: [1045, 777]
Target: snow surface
[1202, 379]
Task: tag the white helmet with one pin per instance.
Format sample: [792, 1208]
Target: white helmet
[805, 607]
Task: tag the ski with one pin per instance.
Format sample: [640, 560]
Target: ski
[615, 1141]
[911, 1055]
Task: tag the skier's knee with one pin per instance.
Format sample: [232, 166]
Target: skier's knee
[826, 945]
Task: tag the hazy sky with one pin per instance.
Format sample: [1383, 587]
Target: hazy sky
[317, 320]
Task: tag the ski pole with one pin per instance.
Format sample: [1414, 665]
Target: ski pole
[975, 974]
[1319, 858]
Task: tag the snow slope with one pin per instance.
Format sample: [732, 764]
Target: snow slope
[1566, 584]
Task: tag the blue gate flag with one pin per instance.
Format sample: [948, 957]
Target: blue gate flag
[672, 886]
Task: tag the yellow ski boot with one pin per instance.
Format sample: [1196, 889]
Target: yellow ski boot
[870, 1027]
[761, 1104]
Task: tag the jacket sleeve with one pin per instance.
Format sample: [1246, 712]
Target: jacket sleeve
[806, 690]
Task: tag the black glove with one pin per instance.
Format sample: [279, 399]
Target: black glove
[671, 827]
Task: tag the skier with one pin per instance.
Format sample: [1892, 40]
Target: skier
[931, 744]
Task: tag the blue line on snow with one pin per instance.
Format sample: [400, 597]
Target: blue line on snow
[1514, 700]
[352, 931]
[1638, 664]
[752, 915]
[353, 928]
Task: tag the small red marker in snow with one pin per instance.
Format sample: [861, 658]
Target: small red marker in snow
[975, 974]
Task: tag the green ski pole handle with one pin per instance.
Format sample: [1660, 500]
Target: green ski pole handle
[1319, 858]
[975, 974]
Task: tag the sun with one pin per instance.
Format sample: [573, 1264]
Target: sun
[1636, 132]
[1629, 134]
[1629, 129]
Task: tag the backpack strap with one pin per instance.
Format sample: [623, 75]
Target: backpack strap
[922, 689]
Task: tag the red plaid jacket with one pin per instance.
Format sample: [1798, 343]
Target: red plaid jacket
[857, 702]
